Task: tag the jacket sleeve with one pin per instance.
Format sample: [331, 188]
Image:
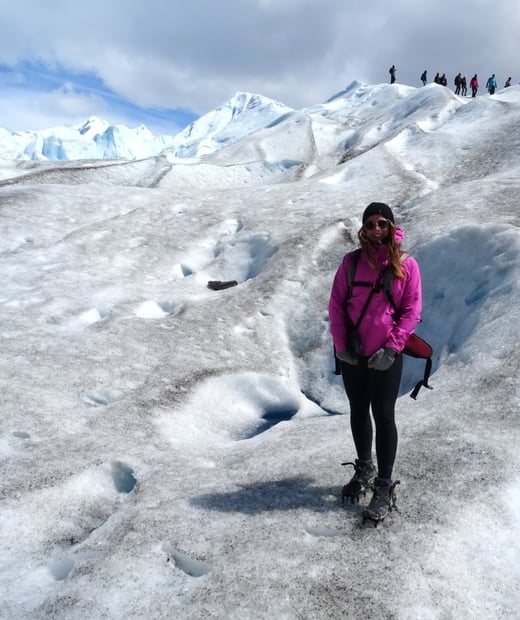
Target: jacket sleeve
[410, 306]
[337, 304]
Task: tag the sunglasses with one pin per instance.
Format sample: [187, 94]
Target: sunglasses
[382, 224]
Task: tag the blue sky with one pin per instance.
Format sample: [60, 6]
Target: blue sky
[163, 63]
[47, 88]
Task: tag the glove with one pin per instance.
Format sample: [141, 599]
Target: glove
[347, 357]
[382, 359]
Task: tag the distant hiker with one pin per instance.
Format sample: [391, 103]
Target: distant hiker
[463, 86]
[369, 339]
[443, 80]
[474, 85]
[508, 83]
[392, 71]
[424, 77]
[437, 78]
[491, 85]
[457, 81]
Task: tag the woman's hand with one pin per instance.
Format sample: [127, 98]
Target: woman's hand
[382, 359]
[348, 358]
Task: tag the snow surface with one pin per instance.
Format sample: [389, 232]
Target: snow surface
[171, 451]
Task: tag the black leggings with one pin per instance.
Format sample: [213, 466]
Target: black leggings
[366, 387]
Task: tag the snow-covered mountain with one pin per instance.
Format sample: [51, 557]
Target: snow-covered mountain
[239, 117]
[94, 139]
[243, 114]
[356, 119]
[252, 139]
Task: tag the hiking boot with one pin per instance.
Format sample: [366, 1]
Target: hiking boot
[382, 502]
[364, 475]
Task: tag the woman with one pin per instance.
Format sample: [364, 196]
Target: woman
[372, 370]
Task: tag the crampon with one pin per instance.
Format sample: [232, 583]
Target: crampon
[361, 481]
[382, 502]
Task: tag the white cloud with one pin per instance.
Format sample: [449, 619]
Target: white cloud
[61, 106]
[196, 54]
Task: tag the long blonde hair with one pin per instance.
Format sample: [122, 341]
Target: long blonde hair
[394, 251]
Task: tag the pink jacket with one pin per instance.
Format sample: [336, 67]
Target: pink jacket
[378, 328]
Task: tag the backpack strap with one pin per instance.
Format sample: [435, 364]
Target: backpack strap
[352, 271]
[424, 380]
[375, 287]
[387, 285]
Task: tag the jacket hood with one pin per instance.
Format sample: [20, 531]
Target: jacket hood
[399, 234]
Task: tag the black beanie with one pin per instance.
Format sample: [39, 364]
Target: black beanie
[378, 208]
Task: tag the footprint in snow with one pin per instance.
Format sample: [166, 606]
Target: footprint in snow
[123, 477]
[90, 502]
[156, 310]
[102, 396]
[187, 564]
[90, 317]
[60, 567]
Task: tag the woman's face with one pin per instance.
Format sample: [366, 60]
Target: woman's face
[377, 229]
